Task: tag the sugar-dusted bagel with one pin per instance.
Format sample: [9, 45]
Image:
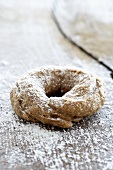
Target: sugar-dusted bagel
[57, 95]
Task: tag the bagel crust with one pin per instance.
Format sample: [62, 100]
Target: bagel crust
[57, 95]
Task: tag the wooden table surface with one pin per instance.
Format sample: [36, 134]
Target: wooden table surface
[31, 35]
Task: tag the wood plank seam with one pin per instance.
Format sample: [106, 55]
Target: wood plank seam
[81, 48]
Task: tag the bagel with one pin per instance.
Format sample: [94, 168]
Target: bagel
[57, 95]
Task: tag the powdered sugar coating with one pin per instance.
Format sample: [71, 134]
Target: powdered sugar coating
[84, 94]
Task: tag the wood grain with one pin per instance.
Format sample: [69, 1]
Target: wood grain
[89, 25]
[29, 38]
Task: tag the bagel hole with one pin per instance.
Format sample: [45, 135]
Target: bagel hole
[55, 116]
[56, 93]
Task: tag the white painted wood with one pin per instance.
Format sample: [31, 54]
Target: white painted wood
[89, 24]
[29, 38]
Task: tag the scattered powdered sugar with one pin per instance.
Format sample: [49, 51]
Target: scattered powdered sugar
[85, 144]
[89, 143]
[4, 63]
[32, 134]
